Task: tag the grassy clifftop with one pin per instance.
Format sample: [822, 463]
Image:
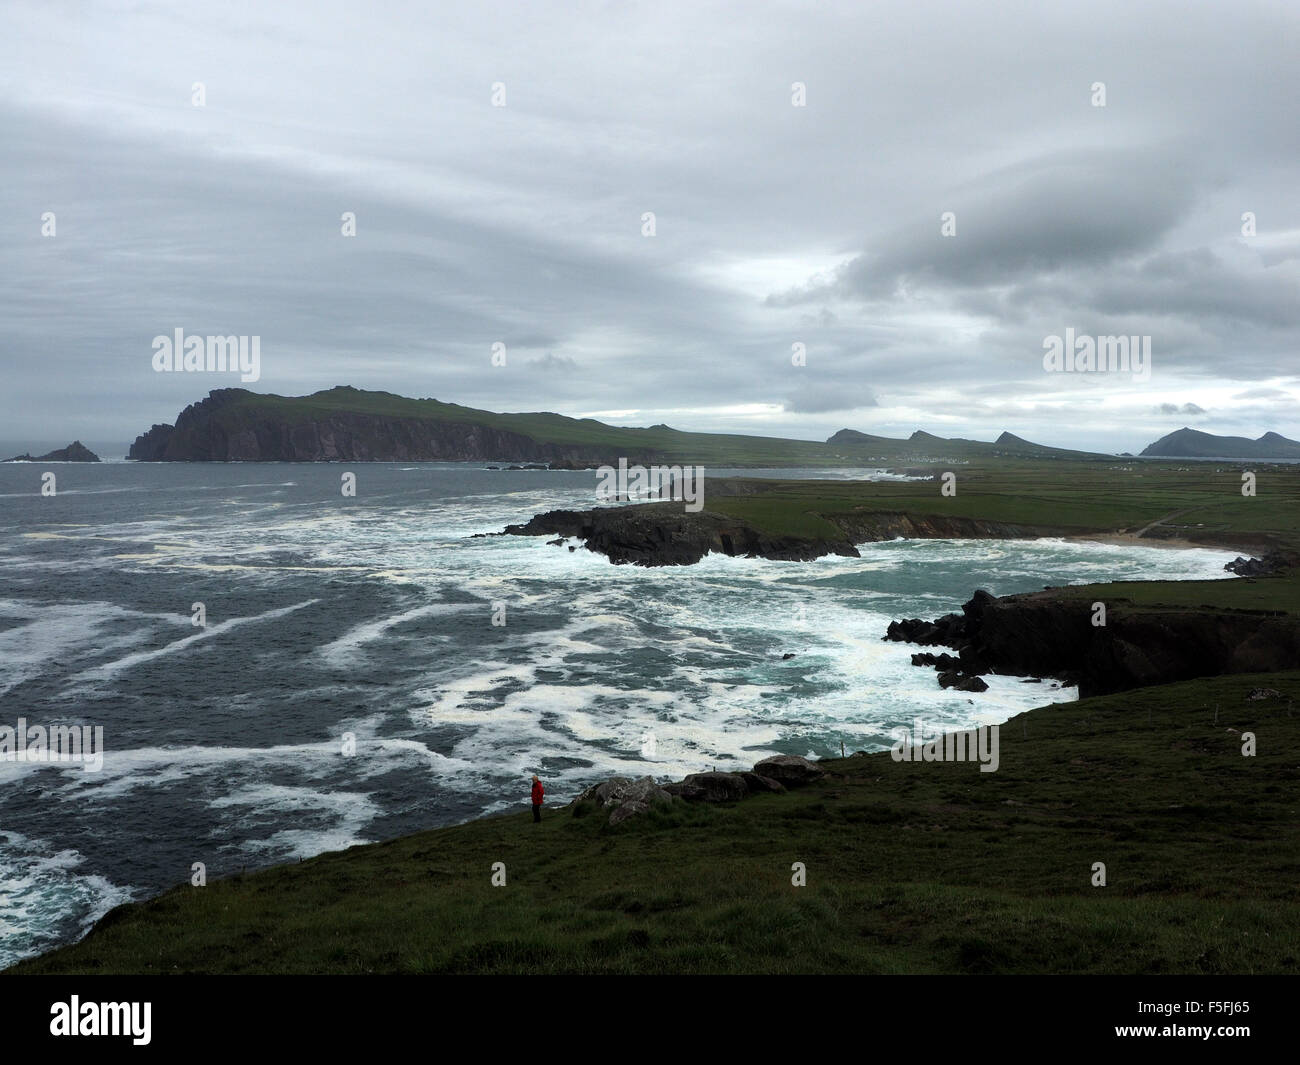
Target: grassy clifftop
[1196, 503]
[929, 867]
[382, 426]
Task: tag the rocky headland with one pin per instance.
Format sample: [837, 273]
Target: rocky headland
[1052, 634]
[232, 425]
[74, 452]
[664, 534]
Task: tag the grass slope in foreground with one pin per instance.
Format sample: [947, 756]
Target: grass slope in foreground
[912, 868]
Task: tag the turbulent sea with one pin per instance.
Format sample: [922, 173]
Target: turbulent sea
[373, 616]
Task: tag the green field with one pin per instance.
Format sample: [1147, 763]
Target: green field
[911, 868]
[1196, 502]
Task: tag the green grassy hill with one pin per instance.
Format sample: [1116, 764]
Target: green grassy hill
[911, 868]
[240, 409]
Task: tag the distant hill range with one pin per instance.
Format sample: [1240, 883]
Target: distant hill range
[345, 424]
[1194, 444]
[1008, 445]
[74, 452]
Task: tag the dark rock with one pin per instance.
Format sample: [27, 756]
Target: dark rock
[664, 534]
[1257, 694]
[626, 796]
[605, 791]
[790, 770]
[625, 810]
[682, 790]
[1050, 634]
[716, 787]
[74, 452]
[1257, 567]
[953, 679]
[943, 660]
[758, 783]
[236, 425]
[973, 610]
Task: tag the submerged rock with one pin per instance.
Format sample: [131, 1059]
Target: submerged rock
[952, 679]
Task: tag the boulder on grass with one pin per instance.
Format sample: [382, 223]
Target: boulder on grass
[716, 787]
[789, 770]
[617, 791]
[625, 810]
[758, 783]
[605, 790]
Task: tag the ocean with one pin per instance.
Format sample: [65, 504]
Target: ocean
[349, 683]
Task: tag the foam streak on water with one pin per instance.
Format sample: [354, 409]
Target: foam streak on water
[371, 618]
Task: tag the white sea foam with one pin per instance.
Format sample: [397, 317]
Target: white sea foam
[110, 669]
[39, 889]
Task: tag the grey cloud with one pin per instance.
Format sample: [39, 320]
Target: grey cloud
[827, 398]
[776, 224]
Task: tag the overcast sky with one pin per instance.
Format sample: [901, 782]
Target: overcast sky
[775, 224]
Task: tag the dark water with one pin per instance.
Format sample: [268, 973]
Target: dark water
[372, 616]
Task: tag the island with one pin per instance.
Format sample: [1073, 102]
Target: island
[74, 452]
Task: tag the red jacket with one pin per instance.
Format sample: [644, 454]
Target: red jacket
[538, 792]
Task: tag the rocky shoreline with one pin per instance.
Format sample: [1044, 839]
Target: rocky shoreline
[663, 534]
[1040, 634]
[1052, 634]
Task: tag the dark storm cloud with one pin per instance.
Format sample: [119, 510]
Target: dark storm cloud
[1082, 209]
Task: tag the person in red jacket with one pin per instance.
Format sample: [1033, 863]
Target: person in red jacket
[538, 792]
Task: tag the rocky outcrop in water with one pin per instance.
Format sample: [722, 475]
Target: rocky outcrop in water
[74, 452]
[1050, 633]
[1271, 563]
[663, 534]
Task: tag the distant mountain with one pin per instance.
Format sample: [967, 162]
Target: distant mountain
[74, 452]
[345, 424]
[1192, 443]
[921, 445]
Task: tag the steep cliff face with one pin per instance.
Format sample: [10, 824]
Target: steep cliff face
[221, 428]
[1050, 634]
